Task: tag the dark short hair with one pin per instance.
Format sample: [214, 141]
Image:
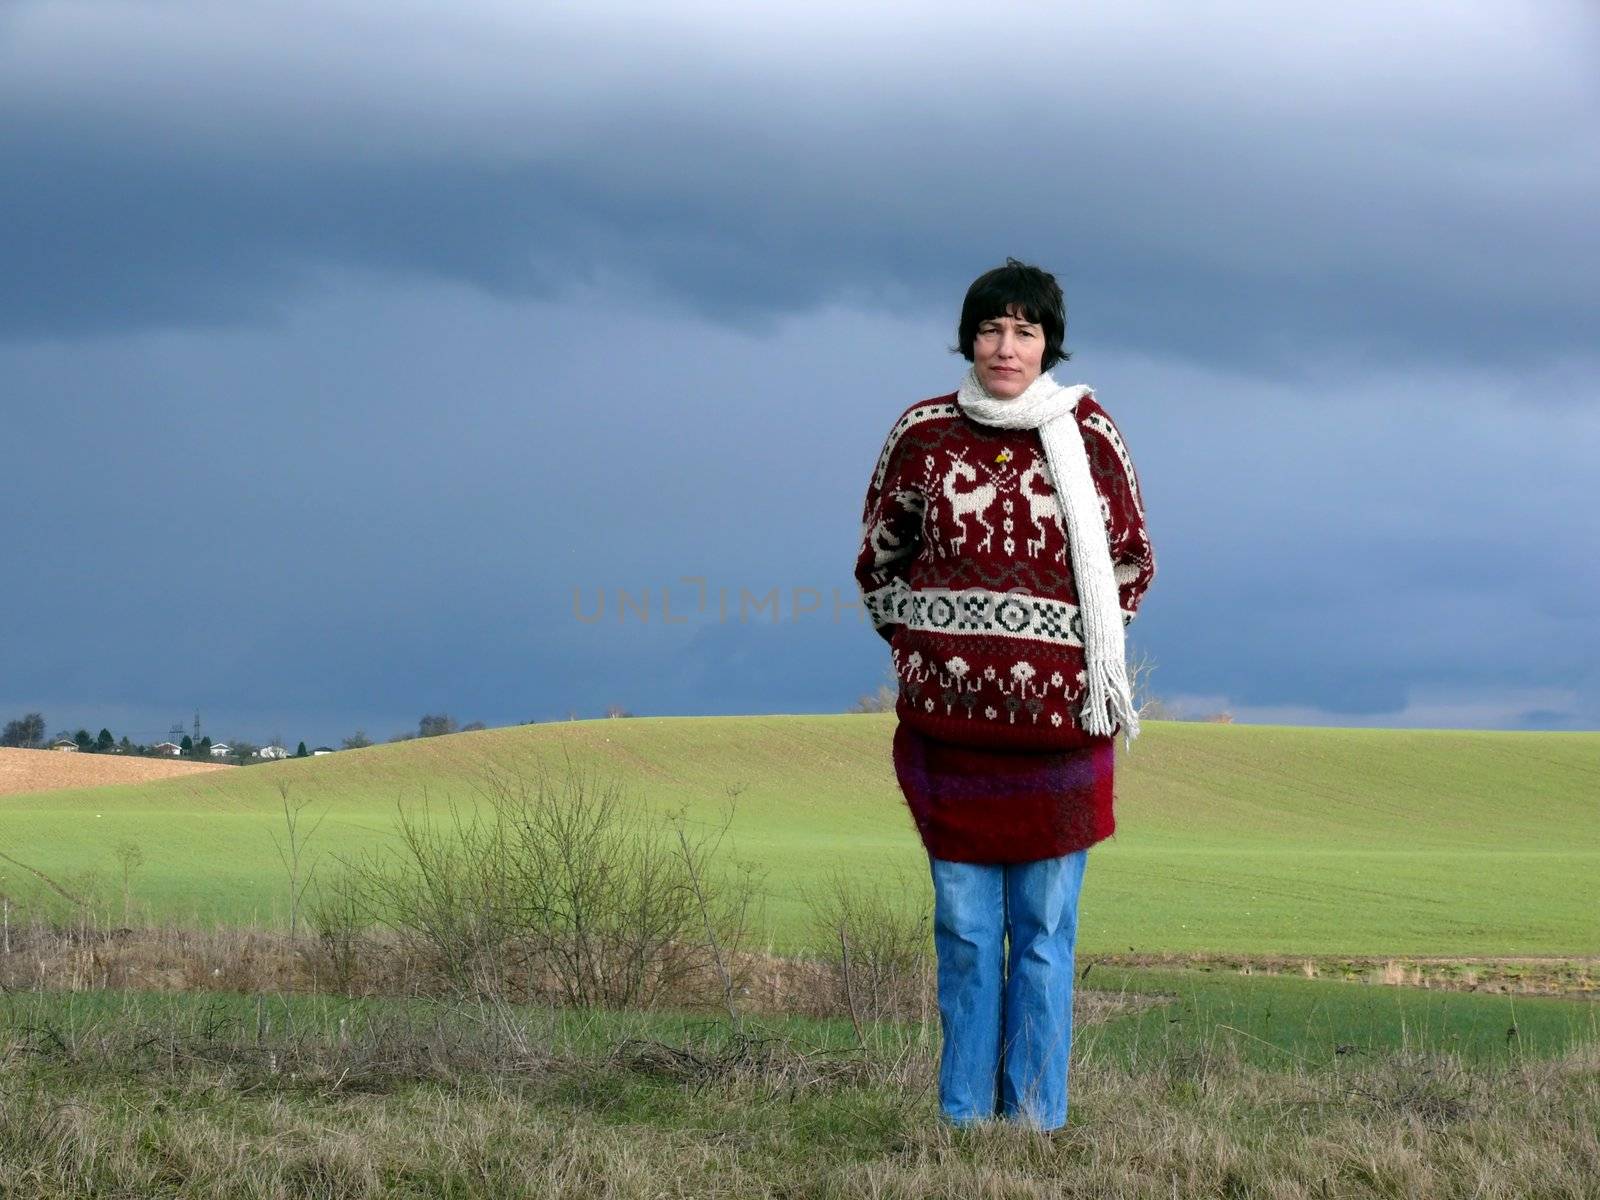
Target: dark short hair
[1031, 291]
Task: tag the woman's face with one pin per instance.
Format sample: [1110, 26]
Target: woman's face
[1007, 352]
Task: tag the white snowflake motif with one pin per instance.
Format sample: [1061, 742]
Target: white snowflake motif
[1055, 679]
[928, 704]
[916, 658]
[1011, 545]
[958, 667]
[989, 712]
[1055, 718]
[1022, 671]
[988, 673]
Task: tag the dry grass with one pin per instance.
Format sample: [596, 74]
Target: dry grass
[500, 1102]
[1574, 975]
[227, 959]
[210, 1096]
[251, 962]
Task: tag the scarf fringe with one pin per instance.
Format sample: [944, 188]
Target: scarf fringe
[1108, 703]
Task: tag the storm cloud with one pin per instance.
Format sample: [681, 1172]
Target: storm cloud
[341, 346]
[1396, 184]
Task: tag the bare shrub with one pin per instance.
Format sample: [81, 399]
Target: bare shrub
[299, 868]
[877, 939]
[443, 895]
[130, 857]
[344, 947]
[559, 888]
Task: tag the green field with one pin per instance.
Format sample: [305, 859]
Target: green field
[1244, 839]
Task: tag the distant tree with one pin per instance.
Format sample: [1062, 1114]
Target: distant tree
[204, 749]
[881, 700]
[472, 725]
[357, 740]
[436, 725]
[405, 735]
[1141, 666]
[85, 742]
[616, 710]
[302, 752]
[26, 732]
[104, 742]
[243, 751]
[124, 746]
[186, 746]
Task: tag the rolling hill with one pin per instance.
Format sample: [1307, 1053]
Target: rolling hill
[1232, 838]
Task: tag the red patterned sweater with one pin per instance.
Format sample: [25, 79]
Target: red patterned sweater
[964, 569]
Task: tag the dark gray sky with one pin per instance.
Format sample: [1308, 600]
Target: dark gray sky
[341, 345]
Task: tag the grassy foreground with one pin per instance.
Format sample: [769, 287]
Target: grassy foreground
[1243, 839]
[1228, 1087]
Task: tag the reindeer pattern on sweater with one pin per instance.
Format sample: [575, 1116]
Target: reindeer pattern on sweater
[964, 568]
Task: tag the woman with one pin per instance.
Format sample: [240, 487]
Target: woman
[1003, 550]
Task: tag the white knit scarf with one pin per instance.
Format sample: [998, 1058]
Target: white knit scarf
[1051, 409]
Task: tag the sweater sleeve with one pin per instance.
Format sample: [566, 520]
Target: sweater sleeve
[891, 536]
[1132, 557]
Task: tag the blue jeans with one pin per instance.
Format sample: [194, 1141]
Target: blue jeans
[1006, 1015]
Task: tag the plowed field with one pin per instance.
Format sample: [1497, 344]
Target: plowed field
[47, 770]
